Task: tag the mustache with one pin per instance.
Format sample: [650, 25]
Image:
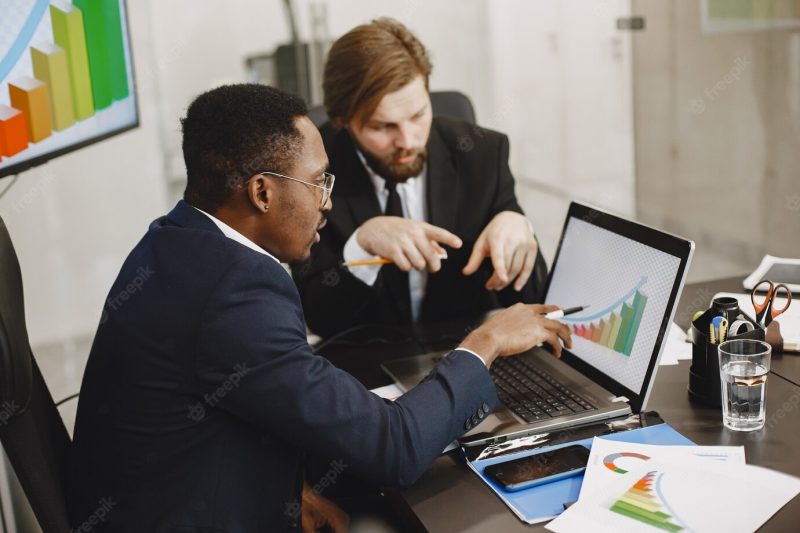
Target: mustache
[405, 153]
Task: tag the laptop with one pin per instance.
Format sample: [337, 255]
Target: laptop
[631, 277]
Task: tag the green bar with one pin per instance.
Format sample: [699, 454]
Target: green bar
[50, 66]
[97, 46]
[656, 516]
[624, 328]
[68, 34]
[106, 50]
[615, 322]
[116, 51]
[626, 510]
[639, 302]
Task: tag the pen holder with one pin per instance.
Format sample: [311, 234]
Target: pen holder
[704, 378]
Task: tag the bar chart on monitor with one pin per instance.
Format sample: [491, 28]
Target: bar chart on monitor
[616, 325]
[65, 75]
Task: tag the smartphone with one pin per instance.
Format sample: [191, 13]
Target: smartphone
[538, 469]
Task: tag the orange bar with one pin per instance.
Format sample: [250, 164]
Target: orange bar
[13, 131]
[30, 96]
[597, 331]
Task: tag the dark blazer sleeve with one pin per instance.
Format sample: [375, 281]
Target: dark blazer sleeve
[252, 355]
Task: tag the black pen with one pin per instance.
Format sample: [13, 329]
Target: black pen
[564, 312]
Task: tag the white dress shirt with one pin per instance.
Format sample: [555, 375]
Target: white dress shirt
[236, 236]
[412, 198]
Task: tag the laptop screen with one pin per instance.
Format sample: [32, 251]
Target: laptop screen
[629, 287]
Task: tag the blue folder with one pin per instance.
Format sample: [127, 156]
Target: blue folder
[544, 502]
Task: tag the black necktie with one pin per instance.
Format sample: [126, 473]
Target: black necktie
[395, 279]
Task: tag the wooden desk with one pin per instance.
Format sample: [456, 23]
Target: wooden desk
[449, 497]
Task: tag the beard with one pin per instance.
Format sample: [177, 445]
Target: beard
[386, 168]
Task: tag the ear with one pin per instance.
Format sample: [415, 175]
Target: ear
[260, 192]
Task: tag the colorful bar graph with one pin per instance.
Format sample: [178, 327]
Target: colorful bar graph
[618, 329]
[13, 131]
[641, 503]
[30, 96]
[50, 65]
[105, 48]
[68, 31]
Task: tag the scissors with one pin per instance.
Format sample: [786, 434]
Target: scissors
[764, 304]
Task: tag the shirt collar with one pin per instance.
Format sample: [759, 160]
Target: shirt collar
[236, 236]
[379, 182]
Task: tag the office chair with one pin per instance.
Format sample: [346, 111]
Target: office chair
[452, 104]
[31, 430]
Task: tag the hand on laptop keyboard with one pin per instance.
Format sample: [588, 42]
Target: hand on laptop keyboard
[515, 330]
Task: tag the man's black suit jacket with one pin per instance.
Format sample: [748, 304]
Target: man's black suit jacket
[201, 396]
[468, 182]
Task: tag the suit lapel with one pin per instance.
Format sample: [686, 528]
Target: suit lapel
[441, 183]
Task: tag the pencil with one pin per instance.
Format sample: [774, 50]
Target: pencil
[376, 261]
[365, 262]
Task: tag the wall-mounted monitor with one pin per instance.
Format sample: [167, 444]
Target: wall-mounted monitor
[66, 78]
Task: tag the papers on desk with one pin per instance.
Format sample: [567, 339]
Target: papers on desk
[608, 459]
[543, 502]
[676, 346]
[678, 488]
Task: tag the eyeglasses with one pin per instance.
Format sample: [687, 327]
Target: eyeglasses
[327, 184]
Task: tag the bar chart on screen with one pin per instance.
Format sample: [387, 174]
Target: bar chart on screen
[616, 325]
[65, 75]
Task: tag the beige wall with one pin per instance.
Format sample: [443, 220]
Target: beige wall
[717, 135]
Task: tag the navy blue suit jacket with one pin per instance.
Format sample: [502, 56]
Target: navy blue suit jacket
[201, 397]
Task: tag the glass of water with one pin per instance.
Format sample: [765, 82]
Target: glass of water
[743, 368]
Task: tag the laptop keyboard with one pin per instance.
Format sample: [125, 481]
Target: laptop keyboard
[532, 393]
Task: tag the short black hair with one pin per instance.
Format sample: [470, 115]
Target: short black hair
[233, 132]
